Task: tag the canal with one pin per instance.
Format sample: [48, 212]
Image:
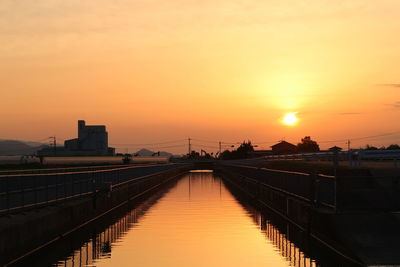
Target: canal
[195, 221]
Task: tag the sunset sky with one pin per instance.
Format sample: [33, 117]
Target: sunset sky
[154, 70]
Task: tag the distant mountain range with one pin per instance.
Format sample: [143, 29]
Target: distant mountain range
[148, 153]
[17, 147]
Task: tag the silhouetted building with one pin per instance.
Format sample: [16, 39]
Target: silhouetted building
[335, 148]
[283, 147]
[92, 141]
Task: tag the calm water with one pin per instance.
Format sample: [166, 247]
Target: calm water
[195, 222]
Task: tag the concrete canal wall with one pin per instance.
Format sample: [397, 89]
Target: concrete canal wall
[357, 218]
[22, 233]
[293, 203]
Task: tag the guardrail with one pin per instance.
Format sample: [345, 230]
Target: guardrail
[340, 194]
[354, 156]
[318, 189]
[71, 169]
[60, 170]
[21, 192]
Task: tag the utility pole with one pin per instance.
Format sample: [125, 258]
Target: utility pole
[348, 145]
[54, 143]
[189, 146]
[220, 143]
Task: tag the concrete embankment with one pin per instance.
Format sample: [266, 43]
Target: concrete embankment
[23, 233]
[361, 232]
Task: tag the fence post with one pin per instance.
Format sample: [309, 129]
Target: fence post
[22, 191]
[315, 189]
[72, 181]
[359, 158]
[103, 174]
[47, 189]
[34, 188]
[87, 182]
[335, 160]
[350, 157]
[94, 182]
[81, 181]
[56, 184]
[337, 192]
[8, 195]
[65, 187]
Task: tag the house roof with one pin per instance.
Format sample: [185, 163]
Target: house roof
[284, 144]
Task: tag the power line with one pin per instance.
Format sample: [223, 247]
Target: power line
[149, 144]
[206, 146]
[335, 141]
[44, 139]
[374, 136]
[222, 145]
[266, 142]
[40, 140]
[156, 147]
[171, 146]
[360, 138]
[205, 141]
[236, 142]
[229, 143]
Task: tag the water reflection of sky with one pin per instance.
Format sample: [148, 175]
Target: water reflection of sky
[197, 223]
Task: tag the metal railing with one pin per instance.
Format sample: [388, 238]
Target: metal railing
[325, 191]
[319, 189]
[61, 170]
[353, 156]
[340, 194]
[21, 192]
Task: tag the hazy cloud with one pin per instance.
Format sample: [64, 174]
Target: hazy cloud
[390, 84]
[350, 113]
[396, 104]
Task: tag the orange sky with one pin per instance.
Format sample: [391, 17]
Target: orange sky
[218, 70]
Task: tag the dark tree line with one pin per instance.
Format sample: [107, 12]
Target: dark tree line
[241, 152]
[307, 145]
[390, 147]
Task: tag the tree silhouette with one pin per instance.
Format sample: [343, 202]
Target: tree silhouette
[245, 148]
[241, 152]
[393, 147]
[226, 155]
[307, 145]
[368, 147]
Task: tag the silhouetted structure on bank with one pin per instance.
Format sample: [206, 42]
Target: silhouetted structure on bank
[283, 147]
[92, 141]
[335, 148]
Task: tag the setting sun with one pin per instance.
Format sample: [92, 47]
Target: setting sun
[290, 119]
